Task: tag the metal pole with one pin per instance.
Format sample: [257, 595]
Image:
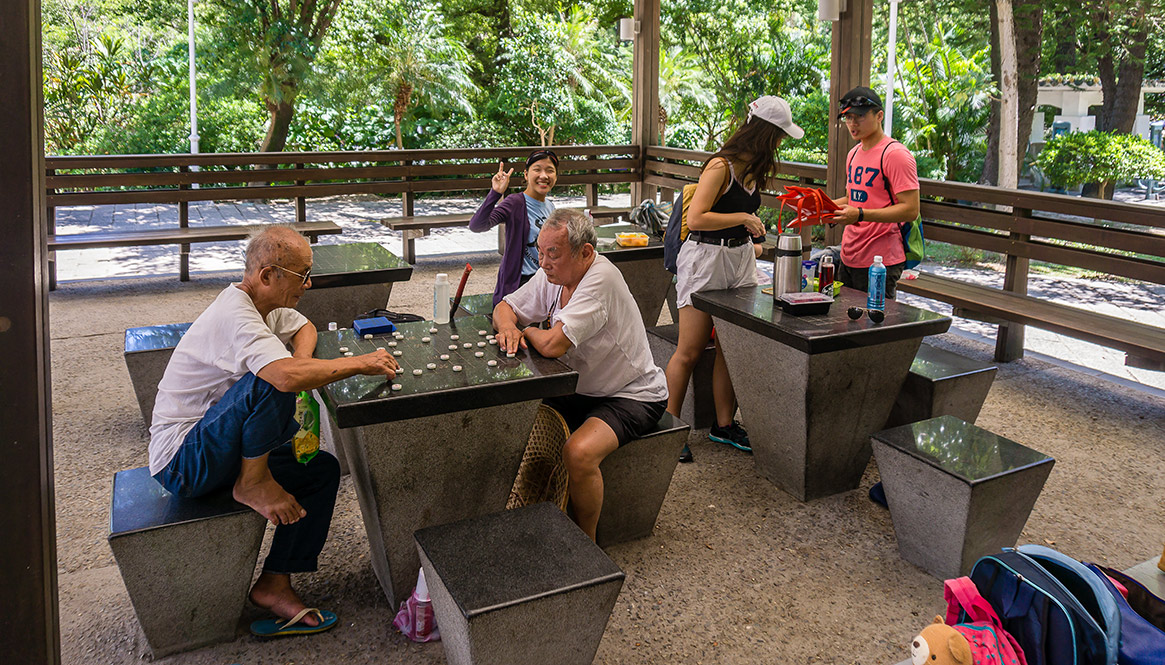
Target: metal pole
[891, 53]
[193, 88]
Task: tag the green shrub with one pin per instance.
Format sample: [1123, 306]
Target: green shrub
[1077, 158]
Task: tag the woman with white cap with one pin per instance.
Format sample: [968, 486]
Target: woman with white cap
[721, 250]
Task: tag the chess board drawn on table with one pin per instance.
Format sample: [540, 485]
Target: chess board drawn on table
[435, 373]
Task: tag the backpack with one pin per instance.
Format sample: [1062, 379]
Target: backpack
[1057, 610]
[676, 231]
[1142, 641]
[912, 240]
[985, 634]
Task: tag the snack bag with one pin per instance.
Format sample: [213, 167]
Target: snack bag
[306, 441]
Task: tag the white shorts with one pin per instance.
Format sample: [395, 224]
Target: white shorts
[705, 267]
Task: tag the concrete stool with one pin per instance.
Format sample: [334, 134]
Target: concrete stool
[147, 352]
[479, 303]
[941, 383]
[187, 563]
[699, 409]
[519, 587]
[956, 492]
[635, 481]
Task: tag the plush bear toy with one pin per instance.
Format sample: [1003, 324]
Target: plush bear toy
[940, 644]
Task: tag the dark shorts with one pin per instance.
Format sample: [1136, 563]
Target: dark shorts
[859, 278]
[627, 417]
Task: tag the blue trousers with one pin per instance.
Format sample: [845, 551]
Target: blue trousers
[251, 420]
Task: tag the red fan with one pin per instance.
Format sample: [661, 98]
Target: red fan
[811, 204]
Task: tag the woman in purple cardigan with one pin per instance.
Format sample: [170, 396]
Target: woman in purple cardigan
[523, 217]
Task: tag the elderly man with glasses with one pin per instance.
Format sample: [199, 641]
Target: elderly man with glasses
[224, 414]
[578, 308]
[881, 193]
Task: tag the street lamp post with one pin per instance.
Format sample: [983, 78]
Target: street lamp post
[891, 53]
[193, 89]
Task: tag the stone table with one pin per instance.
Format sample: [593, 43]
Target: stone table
[350, 279]
[812, 389]
[444, 447]
[642, 269]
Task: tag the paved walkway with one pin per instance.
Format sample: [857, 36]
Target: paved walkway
[357, 215]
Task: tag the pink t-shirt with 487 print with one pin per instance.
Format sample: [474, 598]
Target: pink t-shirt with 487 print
[866, 189]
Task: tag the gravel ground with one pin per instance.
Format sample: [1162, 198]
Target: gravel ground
[736, 572]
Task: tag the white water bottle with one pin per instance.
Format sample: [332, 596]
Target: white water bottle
[441, 298]
[425, 621]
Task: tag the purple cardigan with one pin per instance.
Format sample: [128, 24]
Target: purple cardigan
[512, 213]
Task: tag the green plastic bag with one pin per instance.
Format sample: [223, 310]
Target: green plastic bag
[306, 441]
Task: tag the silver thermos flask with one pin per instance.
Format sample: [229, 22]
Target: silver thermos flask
[787, 265]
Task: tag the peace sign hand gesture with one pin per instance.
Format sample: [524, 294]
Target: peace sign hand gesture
[501, 179]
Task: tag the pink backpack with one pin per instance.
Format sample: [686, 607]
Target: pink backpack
[990, 643]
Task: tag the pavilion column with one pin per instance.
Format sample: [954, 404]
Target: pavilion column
[29, 624]
[645, 89]
[849, 67]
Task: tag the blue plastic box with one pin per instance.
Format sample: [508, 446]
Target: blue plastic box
[374, 326]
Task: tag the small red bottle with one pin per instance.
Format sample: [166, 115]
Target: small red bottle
[825, 275]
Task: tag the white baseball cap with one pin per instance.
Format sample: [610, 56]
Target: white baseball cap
[776, 111]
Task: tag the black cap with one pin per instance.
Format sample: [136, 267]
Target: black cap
[859, 100]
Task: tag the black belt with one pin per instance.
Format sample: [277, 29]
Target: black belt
[725, 242]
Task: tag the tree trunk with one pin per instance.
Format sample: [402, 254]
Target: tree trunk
[1029, 35]
[1121, 78]
[278, 125]
[1064, 35]
[1008, 97]
[990, 173]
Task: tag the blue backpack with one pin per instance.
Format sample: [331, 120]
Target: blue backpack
[1057, 610]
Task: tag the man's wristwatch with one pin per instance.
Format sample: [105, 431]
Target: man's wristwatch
[861, 214]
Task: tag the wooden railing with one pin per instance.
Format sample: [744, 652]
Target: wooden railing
[1120, 239]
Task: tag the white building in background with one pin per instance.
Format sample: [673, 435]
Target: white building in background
[1073, 102]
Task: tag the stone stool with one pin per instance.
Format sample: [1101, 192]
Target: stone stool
[147, 352]
[519, 587]
[635, 481]
[187, 563]
[956, 492]
[941, 383]
[699, 409]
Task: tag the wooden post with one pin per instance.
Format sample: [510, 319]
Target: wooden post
[1009, 339]
[51, 218]
[645, 90]
[300, 201]
[406, 197]
[593, 194]
[184, 223]
[29, 628]
[849, 68]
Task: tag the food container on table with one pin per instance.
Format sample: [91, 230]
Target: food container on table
[804, 303]
[631, 239]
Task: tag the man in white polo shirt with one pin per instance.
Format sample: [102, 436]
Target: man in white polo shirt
[224, 415]
[593, 324]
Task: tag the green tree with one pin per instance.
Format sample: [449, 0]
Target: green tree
[280, 40]
[405, 60]
[942, 106]
[681, 87]
[1107, 158]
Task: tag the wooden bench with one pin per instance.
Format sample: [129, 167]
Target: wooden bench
[179, 236]
[604, 215]
[418, 226]
[1144, 344]
[186, 563]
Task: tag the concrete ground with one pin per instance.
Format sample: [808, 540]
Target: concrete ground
[736, 572]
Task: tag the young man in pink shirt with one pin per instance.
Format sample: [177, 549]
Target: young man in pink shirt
[881, 193]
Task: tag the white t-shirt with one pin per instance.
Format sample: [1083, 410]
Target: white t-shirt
[610, 351]
[225, 342]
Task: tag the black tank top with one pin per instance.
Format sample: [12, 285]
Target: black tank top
[736, 199]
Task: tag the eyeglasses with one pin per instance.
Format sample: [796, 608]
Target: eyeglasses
[305, 276]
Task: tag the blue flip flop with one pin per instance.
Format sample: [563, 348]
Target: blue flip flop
[292, 626]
